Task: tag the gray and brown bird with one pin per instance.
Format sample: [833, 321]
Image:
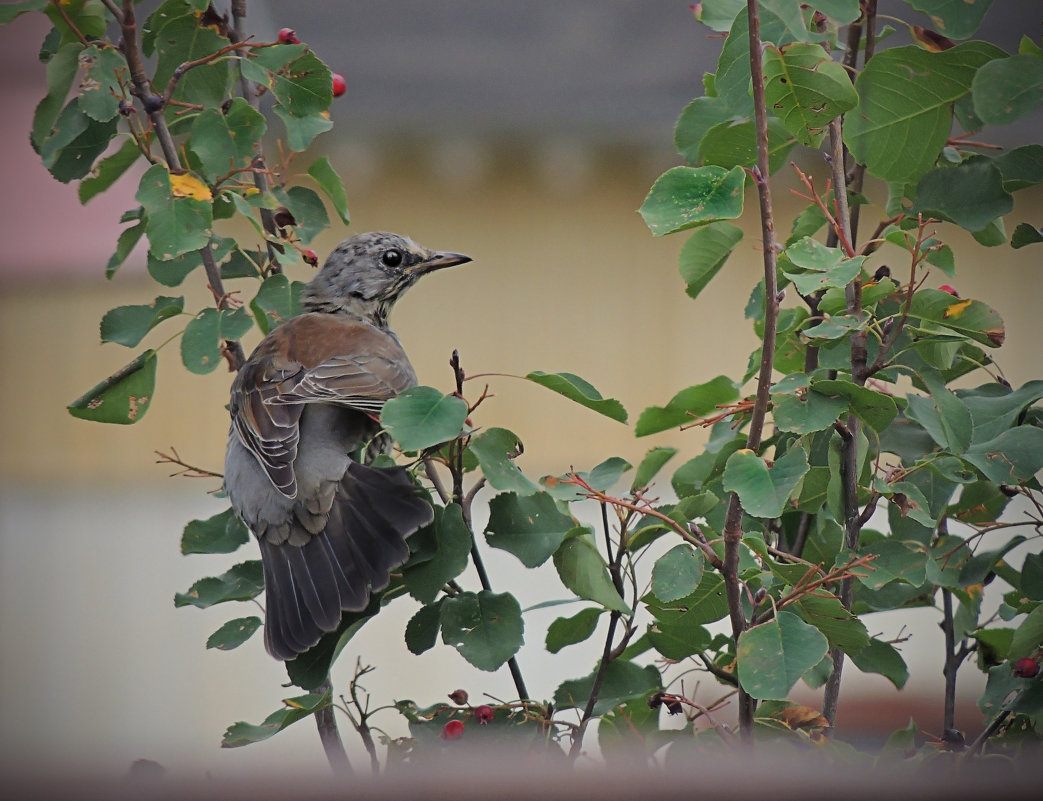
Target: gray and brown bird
[304, 410]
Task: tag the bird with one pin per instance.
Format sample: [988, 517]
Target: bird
[304, 412]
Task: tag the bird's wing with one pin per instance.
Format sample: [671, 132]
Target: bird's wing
[314, 358]
[361, 382]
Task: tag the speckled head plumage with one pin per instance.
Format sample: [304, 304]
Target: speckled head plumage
[365, 274]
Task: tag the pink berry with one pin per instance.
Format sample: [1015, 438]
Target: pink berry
[1026, 667]
[340, 86]
[310, 257]
[453, 730]
[950, 290]
[288, 36]
[483, 714]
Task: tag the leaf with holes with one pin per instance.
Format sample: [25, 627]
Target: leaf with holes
[806, 89]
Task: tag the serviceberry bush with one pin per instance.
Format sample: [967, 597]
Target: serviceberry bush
[869, 457]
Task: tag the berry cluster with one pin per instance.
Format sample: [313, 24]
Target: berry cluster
[454, 729]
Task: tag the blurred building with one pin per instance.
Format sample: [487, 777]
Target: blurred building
[523, 134]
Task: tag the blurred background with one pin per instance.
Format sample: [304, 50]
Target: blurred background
[525, 135]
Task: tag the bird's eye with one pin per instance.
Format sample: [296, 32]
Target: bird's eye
[392, 258]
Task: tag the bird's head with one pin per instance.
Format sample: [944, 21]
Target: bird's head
[367, 273]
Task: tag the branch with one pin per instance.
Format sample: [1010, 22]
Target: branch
[141, 89]
[733, 520]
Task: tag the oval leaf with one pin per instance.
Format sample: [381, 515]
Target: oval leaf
[583, 571]
[576, 389]
[774, 655]
[485, 627]
[123, 397]
[684, 197]
[422, 417]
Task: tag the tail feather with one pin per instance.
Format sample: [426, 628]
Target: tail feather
[374, 511]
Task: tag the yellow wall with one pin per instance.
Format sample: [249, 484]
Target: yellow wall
[561, 280]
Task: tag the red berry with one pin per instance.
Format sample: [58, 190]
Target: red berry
[288, 36]
[453, 730]
[950, 290]
[483, 714]
[310, 257]
[340, 86]
[1026, 667]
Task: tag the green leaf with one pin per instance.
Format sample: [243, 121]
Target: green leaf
[687, 406]
[942, 414]
[242, 582]
[61, 71]
[303, 706]
[706, 605]
[1028, 637]
[331, 185]
[571, 630]
[994, 408]
[1032, 576]
[495, 450]
[422, 417]
[812, 266]
[100, 90]
[298, 80]
[277, 301]
[223, 140]
[452, 539]
[582, 569]
[107, 171]
[531, 528]
[1008, 88]
[307, 208]
[10, 11]
[1025, 234]
[733, 143]
[651, 465]
[486, 628]
[301, 131]
[621, 681]
[69, 152]
[234, 633]
[127, 325]
[1014, 456]
[970, 194]
[957, 19]
[176, 225]
[576, 389]
[841, 629]
[181, 37]
[123, 397]
[873, 408]
[705, 253]
[904, 113]
[202, 341]
[222, 533]
[807, 414]
[677, 573]
[765, 492]
[895, 561]
[806, 89]
[883, 658]
[971, 318]
[422, 629]
[773, 656]
[685, 197]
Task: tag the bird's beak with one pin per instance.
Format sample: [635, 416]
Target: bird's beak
[438, 261]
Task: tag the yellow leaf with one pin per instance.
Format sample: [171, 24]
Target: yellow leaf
[186, 185]
[292, 703]
[956, 309]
